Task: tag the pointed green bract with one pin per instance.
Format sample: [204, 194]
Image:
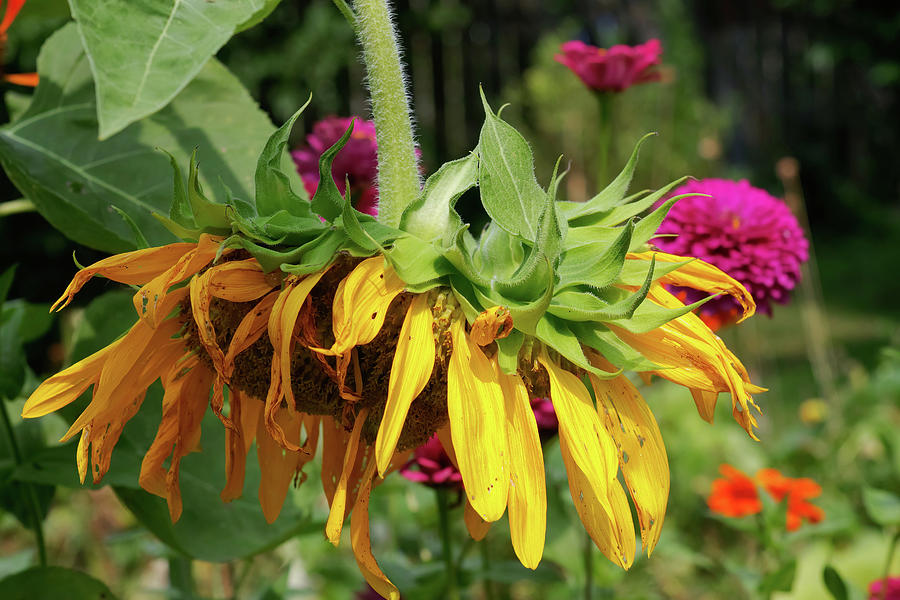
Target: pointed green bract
[273, 187]
[327, 202]
[509, 192]
[432, 215]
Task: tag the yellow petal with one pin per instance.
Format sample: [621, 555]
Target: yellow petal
[361, 303]
[706, 403]
[147, 300]
[67, 385]
[200, 304]
[282, 322]
[244, 417]
[410, 372]
[239, 281]
[477, 425]
[476, 526]
[336, 516]
[362, 544]
[527, 491]
[249, 330]
[611, 528]
[133, 268]
[579, 425]
[642, 455]
[701, 275]
[277, 465]
[493, 324]
[81, 453]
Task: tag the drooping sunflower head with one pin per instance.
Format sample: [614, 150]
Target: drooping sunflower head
[298, 320]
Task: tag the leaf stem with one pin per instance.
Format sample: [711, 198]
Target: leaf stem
[347, 12]
[489, 592]
[398, 169]
[181, 577]
[887, 565]
[31, 499]
[444, 515]
[16, 206]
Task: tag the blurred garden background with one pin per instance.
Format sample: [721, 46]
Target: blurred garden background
[800, 98]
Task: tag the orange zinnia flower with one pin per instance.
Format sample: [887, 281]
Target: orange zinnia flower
[10, 11]
[797, 491]
[734, 495]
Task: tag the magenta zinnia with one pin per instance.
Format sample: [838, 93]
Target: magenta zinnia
[745, 232]
[612, 70]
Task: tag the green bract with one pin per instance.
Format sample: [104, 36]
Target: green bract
[559, 267]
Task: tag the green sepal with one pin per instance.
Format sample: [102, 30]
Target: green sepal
[620, 214]
[581, 265]
[635, 271]
[575, 305]
[508, 351]
[273, 187]
[320, 252]
[614, 194]
[646, 227]
[432, 215]
[555, 332]
[460, 256]
[499, 253]
[509, 191]
[288, 229]
[312, 256]
[207, 214]
[650, 315]
[604, 341]
[525, 315]
[464, 293]
[418, 263]
[180, 212]
[140, 241]
[327, 201]
[179, 231]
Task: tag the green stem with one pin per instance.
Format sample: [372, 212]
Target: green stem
[489, 592]
[31, 498]
[16, 206]
[398, 169]
[887, 565]
[181, 577]
[346, 11]
[605, 102]
[444, 514]
[588, 566]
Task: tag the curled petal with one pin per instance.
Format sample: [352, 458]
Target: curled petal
[362, 543]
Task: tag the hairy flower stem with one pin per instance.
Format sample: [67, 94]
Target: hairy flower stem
[398, 170]
[443, 503]
[31, 499]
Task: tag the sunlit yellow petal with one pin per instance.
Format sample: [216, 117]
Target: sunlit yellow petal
[81, 453]
[701, 275]
[527, 491]
[706, 403]
[579, 425]
[67, 385]
[249, 330]
[361, 303]
[477, 425]
[361, 542]
[607, 520]
[410, 371]
[239, 281]
[642, 455]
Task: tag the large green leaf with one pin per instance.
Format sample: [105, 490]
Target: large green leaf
[52, 154]
[53, 582]
[158, 47]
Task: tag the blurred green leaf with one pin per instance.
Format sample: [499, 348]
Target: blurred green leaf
[882, 506]
[781, 580]
[20, 323]
[835, 583]
[169, 41]
[53, 156]
[53, 582]
[15, 497]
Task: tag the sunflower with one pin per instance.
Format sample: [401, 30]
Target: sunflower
[299, 320]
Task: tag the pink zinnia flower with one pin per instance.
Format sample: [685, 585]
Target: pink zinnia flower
[547, 423]
[431, 465]
[744, 231]
[877, 589]
[357, 160]
[612, 70]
